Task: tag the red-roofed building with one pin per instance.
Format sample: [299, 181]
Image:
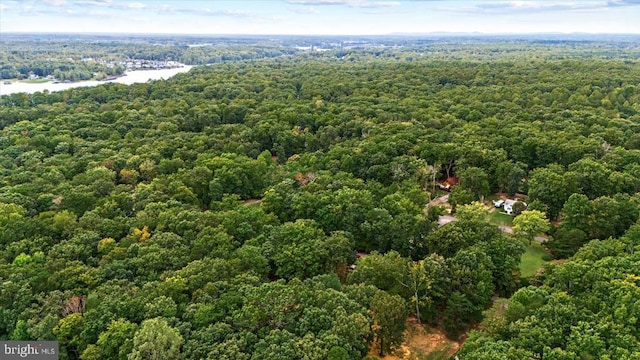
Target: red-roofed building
[448, 183]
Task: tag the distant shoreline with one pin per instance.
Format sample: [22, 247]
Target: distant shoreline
[128, 78]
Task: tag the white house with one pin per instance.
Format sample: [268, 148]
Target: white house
[508, 206]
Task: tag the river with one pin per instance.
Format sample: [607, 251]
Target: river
[136, 76]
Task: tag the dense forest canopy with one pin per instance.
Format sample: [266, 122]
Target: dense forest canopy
[216, 214]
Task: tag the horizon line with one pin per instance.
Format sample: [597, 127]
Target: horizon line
[302, 34]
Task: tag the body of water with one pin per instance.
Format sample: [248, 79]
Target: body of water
[136, 76]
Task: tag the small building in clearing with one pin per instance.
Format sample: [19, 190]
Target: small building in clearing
[508, 206]
[448, 183]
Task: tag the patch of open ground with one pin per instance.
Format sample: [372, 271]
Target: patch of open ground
[36, 81]
[442, 200]
[532, 260]
[422, 343]
[251, 201]
[497, 217]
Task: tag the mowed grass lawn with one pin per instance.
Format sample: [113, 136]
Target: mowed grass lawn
[497, 217]
[532, 260]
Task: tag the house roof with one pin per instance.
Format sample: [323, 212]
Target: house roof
[452, 180]
[510, 202]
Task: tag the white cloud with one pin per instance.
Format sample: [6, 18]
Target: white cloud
[350, 3]
[614, 3]
[319, 16]
[374, 4]
[523, 7]
[136, 5]
[306, 10]
[319, 2]
[55, 2]
[100, 3]
[170, 10]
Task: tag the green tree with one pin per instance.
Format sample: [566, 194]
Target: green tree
[438, 284]
[471, 288]
[593, 177]
[529, 224]
[447, 240]
[298, 249]
[156, 340]
[117, 341]
[576, 211]
[68, 333]
[345, 210]
[475, 211]
[631, 238]
[338, 353]
[389, 315]
[476, 181]
[553, 187]
[513, 181]
[383, 271]
[460, 196]
[604, 217]
[566, 241]
[352, 332]
[417, 283]
[340, 247]
[12, 222]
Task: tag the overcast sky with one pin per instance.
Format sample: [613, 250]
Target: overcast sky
[348, 17]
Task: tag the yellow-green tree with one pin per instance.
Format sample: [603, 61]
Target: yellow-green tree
[529, 224]
[156, 340]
